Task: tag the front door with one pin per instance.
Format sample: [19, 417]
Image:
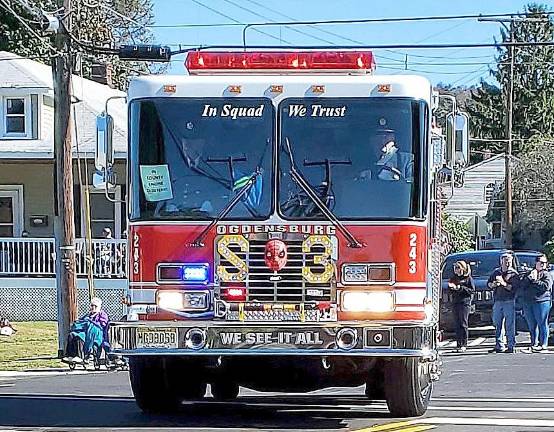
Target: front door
[10, 213]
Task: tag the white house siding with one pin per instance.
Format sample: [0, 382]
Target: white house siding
[36, 177]
[469, 199]
[47, 123]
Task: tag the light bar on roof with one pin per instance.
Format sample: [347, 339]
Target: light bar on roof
[199, 62]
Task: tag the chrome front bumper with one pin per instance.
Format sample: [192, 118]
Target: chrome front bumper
[193, 338]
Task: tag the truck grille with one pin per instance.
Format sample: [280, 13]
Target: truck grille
[287, 285]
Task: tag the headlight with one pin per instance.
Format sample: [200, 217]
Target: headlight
[170, 300]
[195, 300]
[372, 273]
[183, 300]
[354, 273]
[367, 301]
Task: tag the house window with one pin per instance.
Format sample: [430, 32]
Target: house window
[16, 117]
[11, 210]
[103, 213]
[489, 192]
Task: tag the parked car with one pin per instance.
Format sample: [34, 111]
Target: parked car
[526, 259]
[483, 263]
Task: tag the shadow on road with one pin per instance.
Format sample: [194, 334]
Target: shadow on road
[313, 412]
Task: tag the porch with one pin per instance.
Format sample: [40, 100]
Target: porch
[35, 257]
[28, 284]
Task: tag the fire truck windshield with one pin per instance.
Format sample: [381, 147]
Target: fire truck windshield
[365, 157]
[189, 157]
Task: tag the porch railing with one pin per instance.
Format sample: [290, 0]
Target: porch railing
[36, 257]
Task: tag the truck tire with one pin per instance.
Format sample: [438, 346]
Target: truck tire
[156, 385]
[408, 387]
[374, 385]
[225, 390]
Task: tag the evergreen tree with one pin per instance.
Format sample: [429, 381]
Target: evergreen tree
[533, 88]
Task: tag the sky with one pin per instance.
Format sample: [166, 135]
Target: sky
[456, 66]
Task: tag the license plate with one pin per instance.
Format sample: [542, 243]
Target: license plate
[156, 338]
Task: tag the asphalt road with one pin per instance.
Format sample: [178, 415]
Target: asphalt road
[477, 392]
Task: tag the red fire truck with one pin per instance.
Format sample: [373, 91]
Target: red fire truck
[282, 226]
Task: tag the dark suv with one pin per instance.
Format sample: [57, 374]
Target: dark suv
[483, 263]
[526, 259]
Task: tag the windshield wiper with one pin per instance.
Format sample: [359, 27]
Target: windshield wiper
[199, 241]
[307, 188]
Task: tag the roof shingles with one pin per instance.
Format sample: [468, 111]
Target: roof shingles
[19, 72]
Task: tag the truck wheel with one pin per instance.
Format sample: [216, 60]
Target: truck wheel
[156, 385]
[408, 387]
[375, 386]
[225, 390]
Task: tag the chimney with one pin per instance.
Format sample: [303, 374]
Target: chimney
[99, 73]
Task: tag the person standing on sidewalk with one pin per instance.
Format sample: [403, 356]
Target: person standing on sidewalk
[537, 300]
[461, 289]
[503, 282]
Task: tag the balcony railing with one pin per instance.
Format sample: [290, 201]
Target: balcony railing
[36, 257]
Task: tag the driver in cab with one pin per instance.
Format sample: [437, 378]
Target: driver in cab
[392, 164]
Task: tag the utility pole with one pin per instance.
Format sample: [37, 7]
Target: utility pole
[508, 212]
[508, 159]
[64, 225]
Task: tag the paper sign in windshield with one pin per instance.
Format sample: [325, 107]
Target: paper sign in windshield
[156, 183]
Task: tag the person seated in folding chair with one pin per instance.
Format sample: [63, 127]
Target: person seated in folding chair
[86, 333]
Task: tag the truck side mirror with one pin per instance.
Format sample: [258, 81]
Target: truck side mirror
[457, 126]
[104, 155]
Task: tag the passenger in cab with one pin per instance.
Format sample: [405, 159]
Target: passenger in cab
[461, 288]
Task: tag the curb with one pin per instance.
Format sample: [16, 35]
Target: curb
[43, 373]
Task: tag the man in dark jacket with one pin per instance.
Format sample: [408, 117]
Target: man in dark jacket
[503, 283]
[537, 299]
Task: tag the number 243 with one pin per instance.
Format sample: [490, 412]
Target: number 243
[412, 254]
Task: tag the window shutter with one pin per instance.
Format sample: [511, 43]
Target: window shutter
[34, 116]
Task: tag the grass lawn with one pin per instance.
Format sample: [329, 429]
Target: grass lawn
[33, 346]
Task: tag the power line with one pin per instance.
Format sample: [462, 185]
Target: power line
[492, 62]
[311, 26]
[350, 21]
[21, 58]
[428, 71]
[470, 76]
[47, 44]
[337, 35]
[234, 20]
[454, 58]
[43, 41]
[100, 4]
[269, 19]
[373, 47]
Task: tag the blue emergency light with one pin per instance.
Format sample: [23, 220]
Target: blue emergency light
[196, 273]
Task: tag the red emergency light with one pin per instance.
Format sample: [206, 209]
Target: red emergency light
[235, 294]
[198, 62]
